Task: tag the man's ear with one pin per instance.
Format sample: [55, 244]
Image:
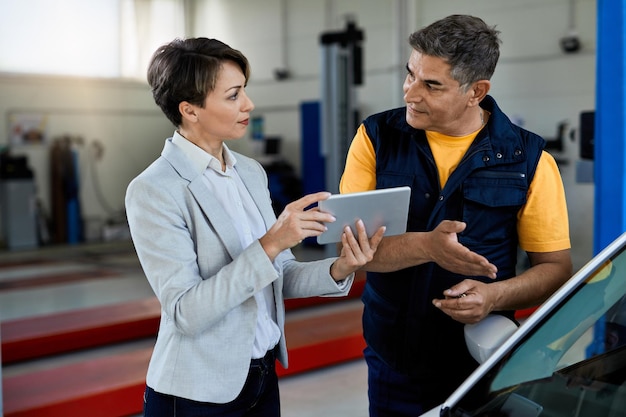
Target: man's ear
[188, 111]
[480, 90]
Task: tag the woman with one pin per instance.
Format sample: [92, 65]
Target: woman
[212, 249]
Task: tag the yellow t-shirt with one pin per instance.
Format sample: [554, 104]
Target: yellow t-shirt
[540, 229]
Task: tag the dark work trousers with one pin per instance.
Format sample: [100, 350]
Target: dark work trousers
[259, 397]
[390, 393]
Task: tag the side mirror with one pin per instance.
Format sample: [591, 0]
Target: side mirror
[484, 337]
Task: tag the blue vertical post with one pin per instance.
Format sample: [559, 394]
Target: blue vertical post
[74, 226]
[609, 137]
[312, 161]
[610, 133]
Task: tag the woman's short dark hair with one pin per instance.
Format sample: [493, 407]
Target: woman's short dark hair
[186, 70]
[465, 42]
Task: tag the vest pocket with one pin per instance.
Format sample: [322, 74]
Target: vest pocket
[496, 189]
[389, 179]
[491, 202]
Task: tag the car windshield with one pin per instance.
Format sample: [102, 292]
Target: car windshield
[572, 363]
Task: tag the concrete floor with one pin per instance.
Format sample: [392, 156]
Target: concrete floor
[335, 391]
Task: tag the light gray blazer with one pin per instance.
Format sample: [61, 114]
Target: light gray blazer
[205, 281]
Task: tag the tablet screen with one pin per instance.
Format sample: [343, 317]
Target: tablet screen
[385, 207]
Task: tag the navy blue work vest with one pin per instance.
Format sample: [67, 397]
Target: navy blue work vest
[486, 191]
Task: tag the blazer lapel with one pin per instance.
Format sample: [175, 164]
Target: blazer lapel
[207, 203]
[217, 216]
[257, 188]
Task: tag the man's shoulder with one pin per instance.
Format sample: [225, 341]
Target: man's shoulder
[393, 119]
[506, 130]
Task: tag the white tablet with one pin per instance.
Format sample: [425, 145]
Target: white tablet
[385, 207]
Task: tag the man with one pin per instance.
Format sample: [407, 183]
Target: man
[475, 177]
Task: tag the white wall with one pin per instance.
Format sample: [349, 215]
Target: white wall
[535, 81]
[119, 115]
